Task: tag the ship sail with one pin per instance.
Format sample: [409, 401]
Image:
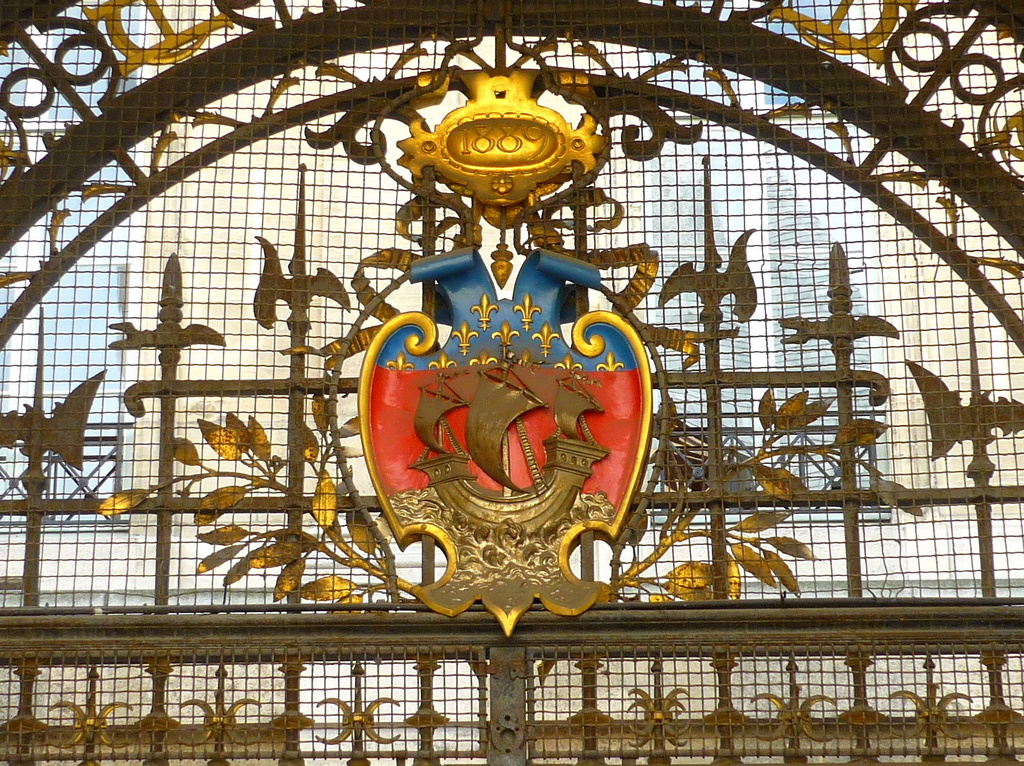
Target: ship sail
[435, 402]
[497, 404]
[570, 404]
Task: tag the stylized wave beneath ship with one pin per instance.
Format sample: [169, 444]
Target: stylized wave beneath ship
[496, 398]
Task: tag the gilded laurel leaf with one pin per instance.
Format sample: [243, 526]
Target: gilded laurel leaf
[223, 440]
[360, 532]
[223, 498]
[760, 521]
[1010, 267]
[791, 547]
[275, 555]
[242, 435]
[349, 428]
[325, 502]
[690, 581]
[224, 535]
[766, 410]
[330, 588]
[782, 571]
[754, 563]
[795, 404]
[289, 579]
[797, 412]
[734, 580]
[859, 432]
[311, 446]
[238, 570]
[121, 502]
[215, 559]
[778, 482]
[185, 451]
[323, 423]
[258, 439]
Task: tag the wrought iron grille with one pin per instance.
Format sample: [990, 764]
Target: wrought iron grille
[811, 216]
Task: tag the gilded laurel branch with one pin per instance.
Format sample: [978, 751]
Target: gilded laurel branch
[336, 532]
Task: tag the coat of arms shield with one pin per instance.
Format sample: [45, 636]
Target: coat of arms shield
[526, 427]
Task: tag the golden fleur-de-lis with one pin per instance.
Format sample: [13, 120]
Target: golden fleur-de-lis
[400, 363]
[465, 335]
[610, 364]
[546, 336]
[484, 308]
[90, 724]
[484, 358]
[505, 336]
[527, 309]
[442, 362]
[568, 364]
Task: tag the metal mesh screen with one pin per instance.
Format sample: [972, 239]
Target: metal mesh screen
[809, 214]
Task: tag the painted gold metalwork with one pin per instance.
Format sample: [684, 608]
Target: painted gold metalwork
[502, 148]
[90, 722]
[527, 309]
[660, 724]
[568, 364]
[443, 362]
[357, 721]
[465, 335]
[831, 36]
[610, 364]
[484, 309]
[517, 545]
[220, 720]
[505, 335]
[794, 717]
[399, 363]
[484, 357]
[172, 46]
[546, 336]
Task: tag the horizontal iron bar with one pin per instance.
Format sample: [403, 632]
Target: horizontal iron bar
[833, 626]
[908, 498]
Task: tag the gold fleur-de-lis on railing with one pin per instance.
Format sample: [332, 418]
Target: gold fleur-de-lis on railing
[568, 363]
[527, 309]
[794, 714]
[545, 336]
[659, 725]
[931, 712]
[400, 363]
[505, 336]
[484, 308]
[610, 364]
[485, 357]
[91, 725]
[442, 362]
[220, 719]
[355, 721]
[465, 335]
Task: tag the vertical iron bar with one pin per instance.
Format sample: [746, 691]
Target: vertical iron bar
[980, 470]
[711, 319]
[426, 718]
[34, 480]
[169, 316]
[158, 722]
[590, 718]
[25, 726]
[726, 716]
[292, 721]
[840, 304]
[508, 745]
